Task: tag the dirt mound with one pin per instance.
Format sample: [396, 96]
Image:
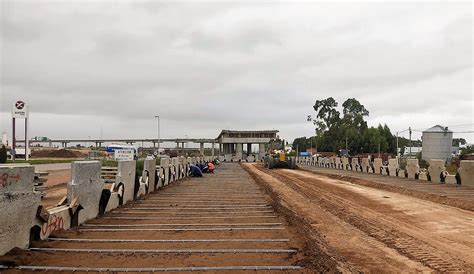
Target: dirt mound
[57, 153]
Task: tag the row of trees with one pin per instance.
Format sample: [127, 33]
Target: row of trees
[335, 131]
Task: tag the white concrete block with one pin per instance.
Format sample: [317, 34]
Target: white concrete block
[378, 165]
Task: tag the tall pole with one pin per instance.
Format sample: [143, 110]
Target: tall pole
[409, 130]
[398, 158]
[158, 129]
[26, 140]
[13, 152]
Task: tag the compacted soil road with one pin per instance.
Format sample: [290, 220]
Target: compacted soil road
[222, 222]
[373, 230]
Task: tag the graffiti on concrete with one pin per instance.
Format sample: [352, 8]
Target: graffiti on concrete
[7, 179]
[54, 223]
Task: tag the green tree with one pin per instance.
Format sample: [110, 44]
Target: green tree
[459, 141]
[3, 154]
[467, 150]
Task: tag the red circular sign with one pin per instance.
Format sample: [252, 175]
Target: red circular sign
[20, 104]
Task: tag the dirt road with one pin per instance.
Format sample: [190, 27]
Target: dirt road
[374, 230]
[223, 221]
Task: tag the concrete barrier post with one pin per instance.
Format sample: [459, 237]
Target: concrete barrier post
[436, 169]
[392, 167]
[18, 206]
[165, 165]
[466, 172]
[365, 164]
[378, 165]
[86, 185]
[412, 168]
[345, 163]
[355, 164]
[148, 175]
[126, 176]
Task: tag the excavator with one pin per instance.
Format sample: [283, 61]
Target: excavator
[278, 156]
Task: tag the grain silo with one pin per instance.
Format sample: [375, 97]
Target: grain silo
[437, 143]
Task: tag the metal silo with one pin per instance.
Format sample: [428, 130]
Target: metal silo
[437, 143]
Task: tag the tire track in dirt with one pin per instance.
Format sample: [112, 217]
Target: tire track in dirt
[405, 244]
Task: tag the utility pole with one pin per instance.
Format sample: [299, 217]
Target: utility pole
[409, 130]
[398, 158]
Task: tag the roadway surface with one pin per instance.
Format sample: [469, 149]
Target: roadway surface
[370, 229]
[223, 221]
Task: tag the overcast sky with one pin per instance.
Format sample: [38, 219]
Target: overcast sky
[82, 66]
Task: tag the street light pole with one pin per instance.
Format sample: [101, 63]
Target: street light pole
[158, 129]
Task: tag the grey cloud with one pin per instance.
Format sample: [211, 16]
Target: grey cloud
[208, 66]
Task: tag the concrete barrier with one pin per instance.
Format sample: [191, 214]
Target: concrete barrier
[149, 165]
[165, 165]
[251, 159]
[182, 167]
[378, 165]
[160, 177]
[59, 219]
[355, 164]
[451, 179]
[423, 176]
[86, 186]
[337, 163]
[393, 167]
[412, 168]
[436, 169]
[401, 173]
[466, 172]
[365, 164]
[126, 177]
[345, 163]
[18, 206]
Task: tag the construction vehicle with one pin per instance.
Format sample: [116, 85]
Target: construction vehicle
[278, 156]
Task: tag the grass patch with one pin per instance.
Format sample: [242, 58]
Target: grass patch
[42, 161]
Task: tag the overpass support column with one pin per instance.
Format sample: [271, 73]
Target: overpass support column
[212, 150]
[261, 151]
[201, 148]
[249, 149]
[239, 149]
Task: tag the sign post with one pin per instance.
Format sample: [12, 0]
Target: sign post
[20, 110]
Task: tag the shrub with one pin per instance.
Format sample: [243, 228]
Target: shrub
[3, 154]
